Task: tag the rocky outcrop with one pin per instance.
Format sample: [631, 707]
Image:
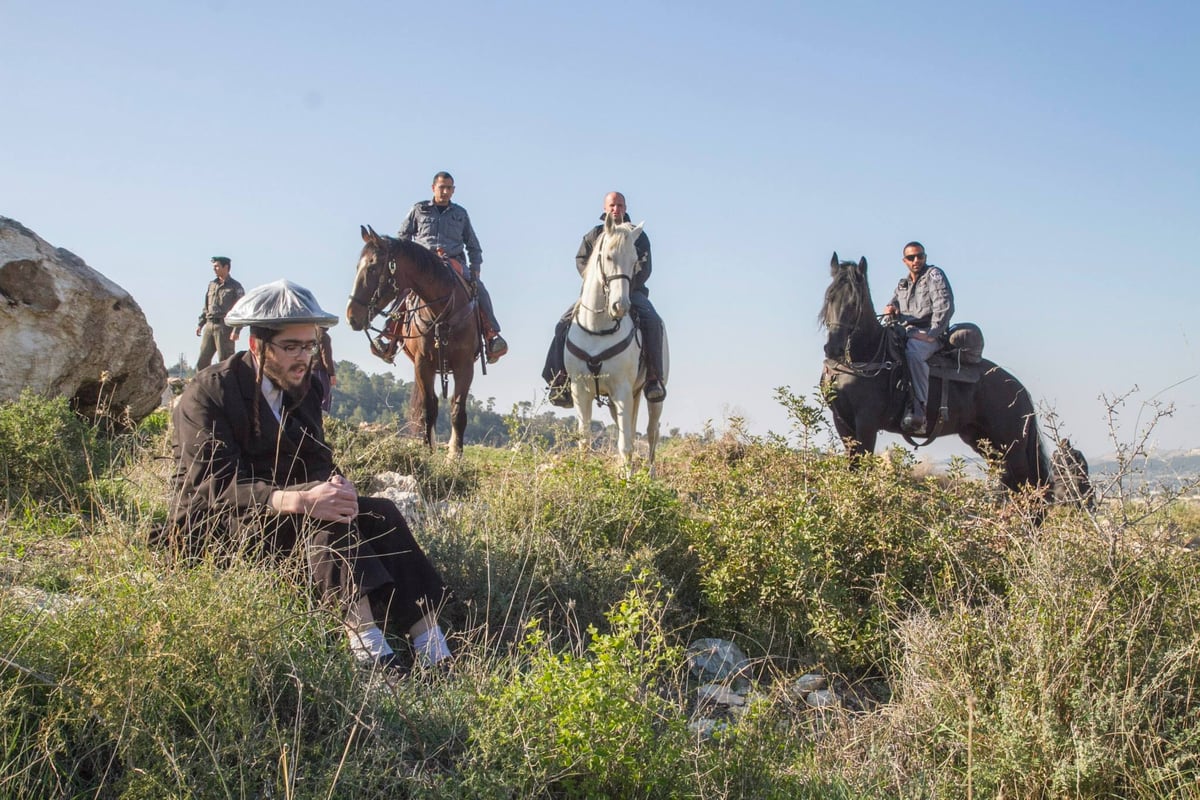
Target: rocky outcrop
[67, 330]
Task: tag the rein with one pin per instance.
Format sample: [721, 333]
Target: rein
[595, 362]
[862, 369]
[449, 314]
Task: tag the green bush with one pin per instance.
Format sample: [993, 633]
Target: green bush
[602, 723]
[800, 548]
[364, 452]
[561, 542]
[47, 452]
[211, 683]
[1081, 681]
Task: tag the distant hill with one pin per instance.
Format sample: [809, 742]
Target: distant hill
[1168, 470]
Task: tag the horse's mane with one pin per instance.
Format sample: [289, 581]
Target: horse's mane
[422, 258]
[620, 235]
[849, 289]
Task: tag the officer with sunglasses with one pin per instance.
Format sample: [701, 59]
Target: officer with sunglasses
[923, 304]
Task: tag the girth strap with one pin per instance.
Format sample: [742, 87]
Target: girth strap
[943, 414]
[595, 362]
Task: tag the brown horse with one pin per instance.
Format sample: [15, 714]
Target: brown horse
[443, 334]
[866, 396]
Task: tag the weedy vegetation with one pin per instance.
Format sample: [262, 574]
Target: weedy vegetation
[975, 653]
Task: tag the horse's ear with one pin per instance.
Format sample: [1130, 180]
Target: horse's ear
[609, 222]
[363, 230]
[862, 265]
[637, 229]
[833, 263]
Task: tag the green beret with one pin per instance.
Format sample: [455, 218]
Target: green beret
[222, 260]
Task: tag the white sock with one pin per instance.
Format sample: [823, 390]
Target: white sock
[367, 642]
[431, 645]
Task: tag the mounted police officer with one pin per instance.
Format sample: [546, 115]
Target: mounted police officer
[445, 228]
[924, 303]
[649, 322]
[254, 474]
[223, 292]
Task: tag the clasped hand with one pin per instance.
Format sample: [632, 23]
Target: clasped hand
[335, 500]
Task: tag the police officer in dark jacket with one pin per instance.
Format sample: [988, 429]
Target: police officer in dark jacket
[649, 322]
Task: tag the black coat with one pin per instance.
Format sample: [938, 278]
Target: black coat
[222, 468]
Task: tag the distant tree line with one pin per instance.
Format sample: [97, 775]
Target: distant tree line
[384, 399]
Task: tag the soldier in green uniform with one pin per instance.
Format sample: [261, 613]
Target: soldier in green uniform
[217, 337]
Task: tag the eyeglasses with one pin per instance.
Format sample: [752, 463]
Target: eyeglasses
[914, 257]
[292, 349]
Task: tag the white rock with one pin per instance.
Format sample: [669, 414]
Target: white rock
[394, 480]
[823, 698]
[66, 330]
[810, 682]
[716, 693]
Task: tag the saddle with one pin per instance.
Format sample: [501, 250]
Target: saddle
[958, 359]
[403, 327]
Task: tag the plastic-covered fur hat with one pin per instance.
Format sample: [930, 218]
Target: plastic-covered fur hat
[277, 305]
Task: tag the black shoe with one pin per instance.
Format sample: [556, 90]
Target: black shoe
[655, 392]
[914, 421]
[496, 348]
[560, 394]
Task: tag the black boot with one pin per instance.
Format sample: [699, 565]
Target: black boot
[914, 420]
[559, 393]
[555, 371]
[652, 339]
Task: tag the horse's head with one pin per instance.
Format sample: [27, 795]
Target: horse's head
[616, 262]
[847, 308]
[373, 288]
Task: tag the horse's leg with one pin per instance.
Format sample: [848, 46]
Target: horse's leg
[581, 395]
[458, 419]
[623, 405]
[654, 412]
[426, 396]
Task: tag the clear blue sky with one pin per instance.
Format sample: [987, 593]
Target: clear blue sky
[1045, 153]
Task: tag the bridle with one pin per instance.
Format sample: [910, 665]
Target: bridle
[390, 334]
[371, 304]
[866, 369]
[606, 281]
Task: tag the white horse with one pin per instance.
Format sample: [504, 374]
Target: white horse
[604, 353]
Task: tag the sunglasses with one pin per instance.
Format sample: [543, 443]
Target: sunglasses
[914, 257]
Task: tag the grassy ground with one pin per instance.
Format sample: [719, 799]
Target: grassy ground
[976, 654]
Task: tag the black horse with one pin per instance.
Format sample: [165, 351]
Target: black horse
[991, 411]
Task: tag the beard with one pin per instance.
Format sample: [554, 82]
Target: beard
[292, 376]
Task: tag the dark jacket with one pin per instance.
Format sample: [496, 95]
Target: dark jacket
[448, 228]
[219, 298]
[221, 467]
[642, 245]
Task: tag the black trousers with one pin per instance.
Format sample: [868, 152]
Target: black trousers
[376, 557]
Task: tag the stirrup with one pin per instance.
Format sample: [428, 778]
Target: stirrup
[496, 348]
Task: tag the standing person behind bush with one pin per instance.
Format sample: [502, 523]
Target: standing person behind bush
[217, 335]
[254, 473]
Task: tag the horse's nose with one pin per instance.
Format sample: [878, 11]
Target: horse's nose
[350, 317]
